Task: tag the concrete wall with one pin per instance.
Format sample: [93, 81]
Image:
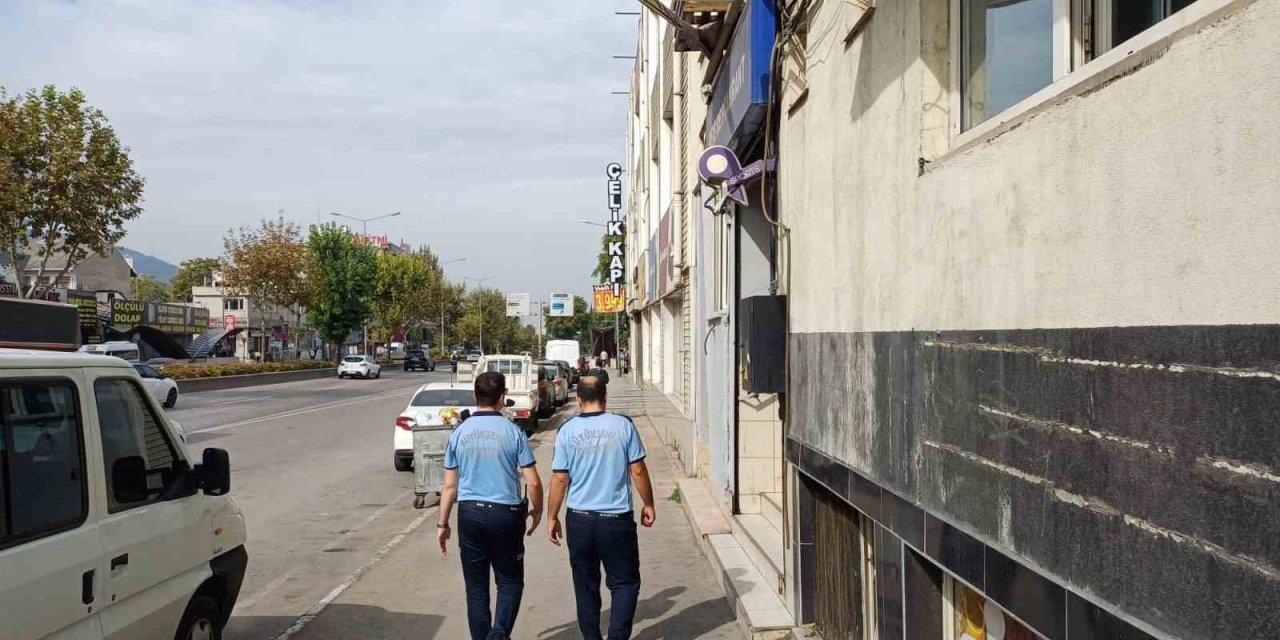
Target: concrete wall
[1036, 335]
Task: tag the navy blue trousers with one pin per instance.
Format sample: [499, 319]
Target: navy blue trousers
[491, 537]
[610, 542]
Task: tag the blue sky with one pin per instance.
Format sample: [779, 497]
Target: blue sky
[487, 122]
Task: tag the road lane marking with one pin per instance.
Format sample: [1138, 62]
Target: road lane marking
[242, 400]
[246, 603]
[317, 608]
[298, 412]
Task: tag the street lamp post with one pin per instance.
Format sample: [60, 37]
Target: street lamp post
[364, 227]
[478, 282]
[440, 338]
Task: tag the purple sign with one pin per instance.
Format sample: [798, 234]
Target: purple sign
[720, 165]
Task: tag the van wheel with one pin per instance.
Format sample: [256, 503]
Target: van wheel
[200, 620]
[172, 400]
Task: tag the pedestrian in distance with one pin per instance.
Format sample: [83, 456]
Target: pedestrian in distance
[484, 460]
[598, 458]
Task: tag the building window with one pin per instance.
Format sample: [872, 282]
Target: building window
[1116, 21]
[1007, 54]
[1010, 49]
[970, 616]
[233, 304]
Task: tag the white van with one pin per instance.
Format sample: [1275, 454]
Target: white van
[565, 351]
[109, 528]
[119, 348]
[522, 386]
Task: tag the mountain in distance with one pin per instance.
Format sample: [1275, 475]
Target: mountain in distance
[147, 265]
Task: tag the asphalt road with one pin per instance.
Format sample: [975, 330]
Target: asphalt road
[312, 469]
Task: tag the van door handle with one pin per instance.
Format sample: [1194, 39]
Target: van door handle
[119, 561]
[86, 587]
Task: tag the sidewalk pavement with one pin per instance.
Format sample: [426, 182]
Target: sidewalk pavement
[734, 555]
[412, 592]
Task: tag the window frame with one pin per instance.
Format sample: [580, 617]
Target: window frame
[1076, 68]
[6, 541]
[1063, 49]
[147, 402]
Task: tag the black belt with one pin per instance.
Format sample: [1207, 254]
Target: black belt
[480, 504]
[628, 515]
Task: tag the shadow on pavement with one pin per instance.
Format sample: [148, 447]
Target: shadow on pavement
[690, 622]
[343, 621]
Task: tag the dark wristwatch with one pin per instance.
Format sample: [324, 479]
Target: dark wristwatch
[442, 526]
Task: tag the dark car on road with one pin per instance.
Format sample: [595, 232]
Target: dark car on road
[417, 359]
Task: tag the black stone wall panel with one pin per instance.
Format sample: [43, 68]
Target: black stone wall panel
[1135, 464]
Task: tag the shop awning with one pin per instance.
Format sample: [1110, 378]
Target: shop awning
[203, 345]
[162, 342]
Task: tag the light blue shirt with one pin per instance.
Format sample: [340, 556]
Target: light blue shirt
[486, 449]
[596, 450]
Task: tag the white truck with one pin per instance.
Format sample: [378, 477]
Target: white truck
[567, 351]
[522, 386]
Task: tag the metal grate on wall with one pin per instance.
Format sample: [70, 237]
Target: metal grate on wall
[838, 568]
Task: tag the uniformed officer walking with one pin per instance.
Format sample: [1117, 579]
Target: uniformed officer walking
[484, 460]
[597, 458]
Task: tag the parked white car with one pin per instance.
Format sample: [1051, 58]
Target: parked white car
[161, 387]
[111, 529]
[359, 367]
[436, 403]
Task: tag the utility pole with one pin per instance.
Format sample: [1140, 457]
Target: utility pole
[440, 338]
[364, 233]
[480, 281]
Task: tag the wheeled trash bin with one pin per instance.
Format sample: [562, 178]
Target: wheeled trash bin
[429, 442]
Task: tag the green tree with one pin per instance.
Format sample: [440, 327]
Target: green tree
[341, 275]
[196, 272]
[487, 309]
[149, 289]
[67, 185]
[449, 307]
[265, 265]
[400, 293]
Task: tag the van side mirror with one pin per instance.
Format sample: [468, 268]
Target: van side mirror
[510, 402]
[129, 479]
[216, 472]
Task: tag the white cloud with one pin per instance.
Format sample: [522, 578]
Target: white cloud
[487, 122]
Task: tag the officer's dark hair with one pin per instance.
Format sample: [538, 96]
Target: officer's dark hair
[592, 388]
[490, 386]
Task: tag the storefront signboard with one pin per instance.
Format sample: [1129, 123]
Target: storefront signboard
[741, 86]
[605, 300]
